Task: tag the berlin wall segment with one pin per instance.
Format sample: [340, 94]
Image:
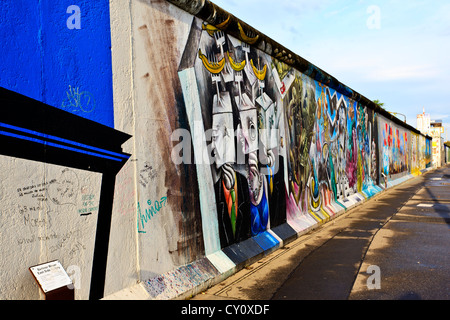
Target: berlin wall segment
[239, 146]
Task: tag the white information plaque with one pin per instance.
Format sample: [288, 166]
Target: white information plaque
[50, 276]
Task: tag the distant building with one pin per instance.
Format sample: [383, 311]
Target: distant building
[423, 122]
[435, 129]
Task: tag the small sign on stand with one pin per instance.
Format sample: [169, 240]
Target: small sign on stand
[53, 280]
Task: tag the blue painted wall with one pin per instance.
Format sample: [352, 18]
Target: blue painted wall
[57, 54]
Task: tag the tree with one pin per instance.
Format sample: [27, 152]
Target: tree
[378, 103]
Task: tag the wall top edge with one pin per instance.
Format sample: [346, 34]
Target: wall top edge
[225, 21]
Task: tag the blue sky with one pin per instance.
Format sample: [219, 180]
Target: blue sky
[396, 51]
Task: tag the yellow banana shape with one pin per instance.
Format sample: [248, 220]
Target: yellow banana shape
[260, 74]
[211, 29]
[244, 37]
[213, 67]
[225, 23]
[237, 66]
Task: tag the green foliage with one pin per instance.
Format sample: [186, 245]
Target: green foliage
[378, 103]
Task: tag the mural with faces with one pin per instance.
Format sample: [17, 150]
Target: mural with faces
[231, 188]
[240, 105]
[262, 113]
[300, 108]
[331, 147]
[333, 151]
[367, 137]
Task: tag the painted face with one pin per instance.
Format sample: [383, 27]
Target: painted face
[254, 179]
[269, 132]
[249, 131]
[351, 112]
[223, 139]
[342, 117]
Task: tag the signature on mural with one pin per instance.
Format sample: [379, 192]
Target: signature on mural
[152, 210]
[77, 101]
[65, 188]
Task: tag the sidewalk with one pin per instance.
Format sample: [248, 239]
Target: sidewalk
[413, 250]
[403, 231]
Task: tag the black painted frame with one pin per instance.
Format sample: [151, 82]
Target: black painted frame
[33, 130]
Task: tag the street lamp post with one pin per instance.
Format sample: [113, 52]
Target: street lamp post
[397, 113]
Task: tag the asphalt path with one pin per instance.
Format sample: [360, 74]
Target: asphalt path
[395, 246]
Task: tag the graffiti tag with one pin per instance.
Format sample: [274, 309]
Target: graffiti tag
[151, 211]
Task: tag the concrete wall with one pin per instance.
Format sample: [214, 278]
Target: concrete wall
[447, 153]
[60, 152]
[437, 146]
[59, 53]
[230, 147]
[43, 219]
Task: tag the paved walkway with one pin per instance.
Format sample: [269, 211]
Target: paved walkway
[402, 233]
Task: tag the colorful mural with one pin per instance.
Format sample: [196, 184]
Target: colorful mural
[242, 119]
[415, 155]
[424, 152]
[334, 139]
[428, 154]
[234, 145]
[283, 147]
[395, 148]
